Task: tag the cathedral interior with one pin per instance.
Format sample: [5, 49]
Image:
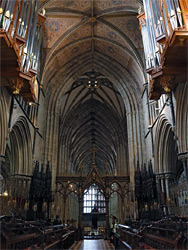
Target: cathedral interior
[94, 124]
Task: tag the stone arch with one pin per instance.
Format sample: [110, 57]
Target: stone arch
[182, 116]
[166, 147]
[124, 83]
[3, 123]
[19, 148]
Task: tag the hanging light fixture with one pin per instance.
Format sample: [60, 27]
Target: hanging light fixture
[92, 82]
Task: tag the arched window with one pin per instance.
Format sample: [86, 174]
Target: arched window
[94, 198]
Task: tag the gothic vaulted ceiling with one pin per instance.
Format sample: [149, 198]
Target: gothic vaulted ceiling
[82, 37]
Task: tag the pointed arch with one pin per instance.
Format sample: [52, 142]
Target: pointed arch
[166, 147]
[3, 122]
[19, 146]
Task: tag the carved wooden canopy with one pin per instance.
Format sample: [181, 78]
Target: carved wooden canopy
[106, 184]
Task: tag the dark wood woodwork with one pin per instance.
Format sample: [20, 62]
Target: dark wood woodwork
[172, 52]
[161, 39]
[10, 68]
[150, 70]
[146, 192]
[8, 53]
[18, 234]
[184, 8]
[13, 75]
[40, 192]
[164, 234]
[82, 182]
[173, 68]
[19, 41]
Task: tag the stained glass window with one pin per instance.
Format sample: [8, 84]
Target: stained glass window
[94, 198]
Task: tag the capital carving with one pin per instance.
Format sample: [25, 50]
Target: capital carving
[169, 176]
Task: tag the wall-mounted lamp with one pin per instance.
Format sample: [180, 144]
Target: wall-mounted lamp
[5, 193]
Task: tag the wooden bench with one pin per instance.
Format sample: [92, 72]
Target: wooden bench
[153, 235]
[16, 235]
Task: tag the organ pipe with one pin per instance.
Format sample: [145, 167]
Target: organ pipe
[30, 40]
[165, 27]
[21, 31]
[157, 14]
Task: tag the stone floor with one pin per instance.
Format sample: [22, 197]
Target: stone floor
[92, 245]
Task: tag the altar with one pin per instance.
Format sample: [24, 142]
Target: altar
[94, 224]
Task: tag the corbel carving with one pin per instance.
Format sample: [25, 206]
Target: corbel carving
[17, 85]
[151, 85]
[166, 82]
[141, 18]
[142, 22]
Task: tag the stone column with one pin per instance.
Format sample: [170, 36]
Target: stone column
[184, 158]
[80, 201]
[167, 177]
[67, 209]
[107, 229]
[127, 207]
[163, 193]
[80, 218]
[122, 211]
[64, 208]
[107, 198]
[2, 160]
[158, 181]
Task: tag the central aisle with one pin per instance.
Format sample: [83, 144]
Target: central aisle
[92, 245]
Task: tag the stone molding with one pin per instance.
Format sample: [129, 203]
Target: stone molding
[183, 156]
